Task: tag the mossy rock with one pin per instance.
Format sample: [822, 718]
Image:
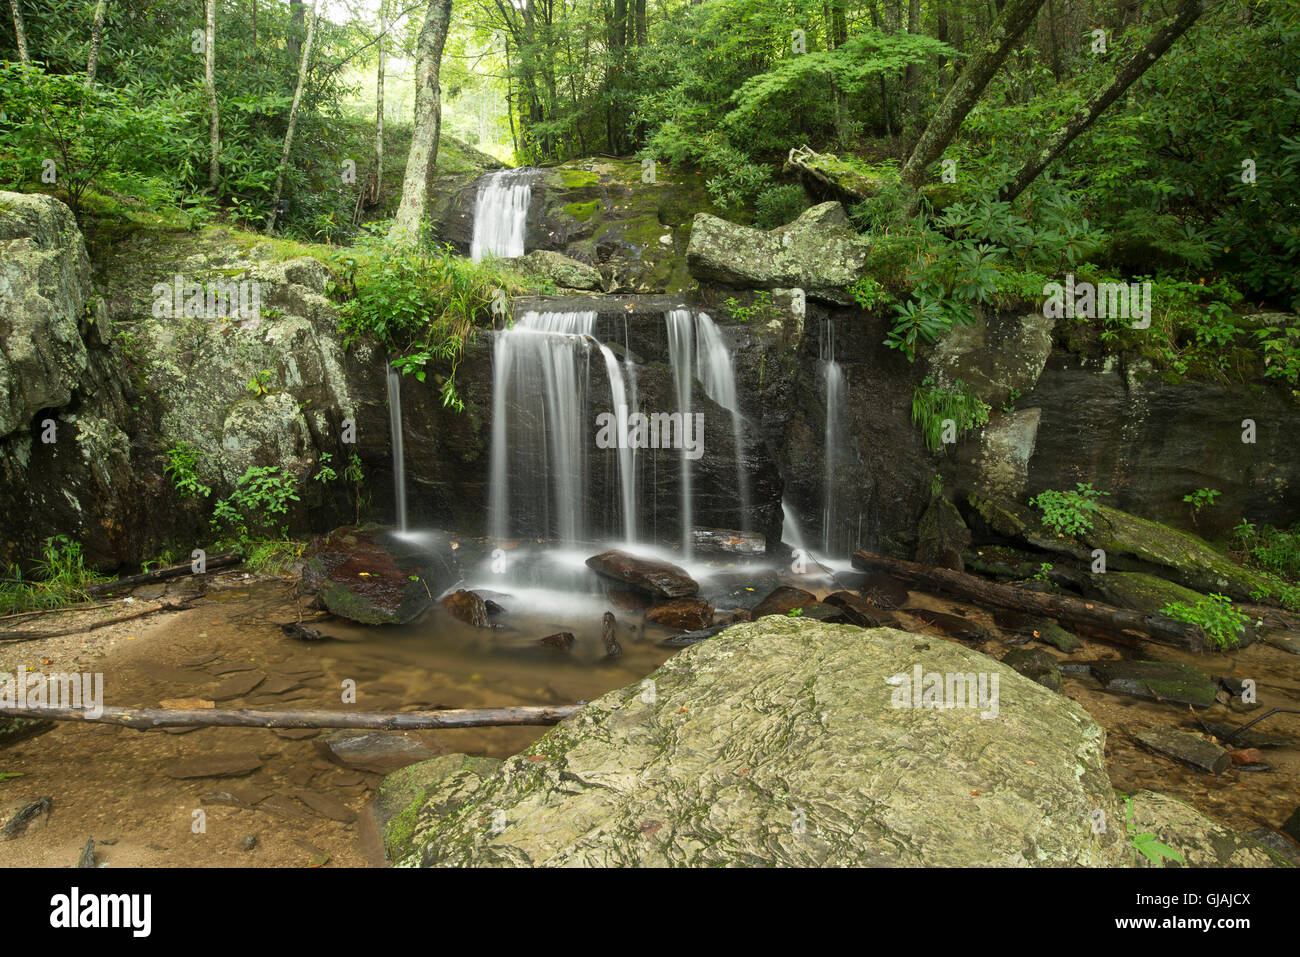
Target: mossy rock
[442, 781]
[1141, 591]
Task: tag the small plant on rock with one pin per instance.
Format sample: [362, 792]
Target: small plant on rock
[1222, 624]
[1069, 513]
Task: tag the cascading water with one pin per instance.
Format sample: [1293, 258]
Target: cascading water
[696, 350]
[399, 459]
[541, 414]
[501, 214]
[836, 393]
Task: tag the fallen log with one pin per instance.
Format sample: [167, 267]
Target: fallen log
[223, 560]
[37, 635]
[1118, 624]
[145, 719]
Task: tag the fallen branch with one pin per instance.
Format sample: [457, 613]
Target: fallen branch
[144, 719]
[37, 635]
[163, 574]
[1117, 624]
[54, 611]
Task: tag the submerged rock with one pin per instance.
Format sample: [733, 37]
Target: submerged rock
[1158, 680]
[468, 606]
[371, 576]
[1035, 664]
[856, 610]
[649, 574]
[778, 744]
[1187, 747]
[378, 751]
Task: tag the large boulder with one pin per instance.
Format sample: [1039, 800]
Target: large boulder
[376, 577]
[819, 253]
[778, 743]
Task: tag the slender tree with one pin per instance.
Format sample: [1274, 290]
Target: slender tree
[96, 39]
[210, 85]
[961, 97]
[423, 156]
[293, 120]
[1188, 12]
[20, 33]
[379, 100]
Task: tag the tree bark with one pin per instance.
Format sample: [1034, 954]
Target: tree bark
[293, 121]
[96, 39]
[379, 103]
[912, 76]
[1016, 17]
[145, 719]
[20, 34]
[423, 156]
[210, 84]
[1188, 12]
[1118, 624]
[293, 43]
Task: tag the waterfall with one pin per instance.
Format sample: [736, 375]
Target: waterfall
[836, 393]
[541, 417]
[501, 214]
[696, 350]
[399, 459]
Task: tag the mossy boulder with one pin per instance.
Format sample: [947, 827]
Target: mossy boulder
[447, 780]
[1142, 592]
[778, 743]
[1199, 841]
[819, 253]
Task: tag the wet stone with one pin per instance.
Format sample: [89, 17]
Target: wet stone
[856, 610]
[658, 577]
[783, 600]
[1157, 680]
[1186, 747]
[296, 734]
[238, 686]
[468, 607]
[1036, 664]
[326, 806]
[380, 751]
[686, 613]
[214, 766]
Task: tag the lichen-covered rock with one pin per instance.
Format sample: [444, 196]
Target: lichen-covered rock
[777, 743]
[1142, 592]
[565, 272]
[819, 253]
[1199, 840]
[404, 793]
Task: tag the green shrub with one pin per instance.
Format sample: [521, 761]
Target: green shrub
[1069, 513]
[778, 205]
[181, 468]
[1222, 624]
[61, 578]
[932, 405]
[254, 511]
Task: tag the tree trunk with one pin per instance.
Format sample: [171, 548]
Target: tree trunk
[20, 34]
[210, 84]
[913, 75]
[1016, 17]
[96, 39]
[423, 157]
[640, 23]
[145, 719]
[293, 121]
[1117, 624]
[293, 44]
[1188, 12]
[379, 104]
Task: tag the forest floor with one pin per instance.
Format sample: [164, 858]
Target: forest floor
[113, 784]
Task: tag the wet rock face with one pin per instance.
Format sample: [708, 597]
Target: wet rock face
[468, 607]
[601, 213]
[65, 455]
[1149, 442]
[371, 576]
[689, 614]
[777, 743]
[648, 574]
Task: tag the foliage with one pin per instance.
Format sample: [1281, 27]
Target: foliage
[868, 293]
[1147, 844]
[761, 307]
[778, 205]
[1272, 549]
[258, 506]
[182, 469]
[420, 304]
[1200, 499]
[60, 578]
[1069, 513]
[1222, 624]
[933, 405]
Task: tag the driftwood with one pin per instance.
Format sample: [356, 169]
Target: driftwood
[163, 574]
[144, 719]
[1118, 624]
[36, 635]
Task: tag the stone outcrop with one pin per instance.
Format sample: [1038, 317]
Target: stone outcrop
[819, 252]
